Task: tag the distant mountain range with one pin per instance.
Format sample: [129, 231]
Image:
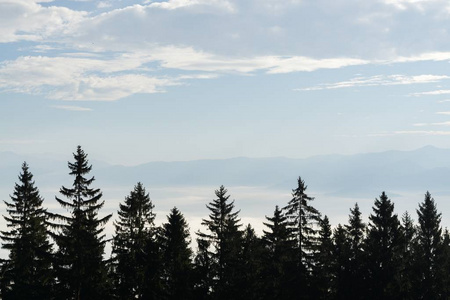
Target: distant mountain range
[427, 168]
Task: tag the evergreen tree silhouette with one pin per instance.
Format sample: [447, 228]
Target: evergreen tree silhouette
[279, 244]
[80, 268]
[226, 238]
[429, 250]
[323, 280]
[177, 257]
[407, 275]
[27, 273]
[304, 220]
[383, 246]
[133, 229]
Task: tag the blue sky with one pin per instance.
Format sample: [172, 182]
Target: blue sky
[138, 81]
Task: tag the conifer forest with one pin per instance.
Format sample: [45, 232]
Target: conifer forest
[299, 255]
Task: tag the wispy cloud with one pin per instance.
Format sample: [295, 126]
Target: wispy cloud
[71, 108]
[75, 78]
[417, 4]
[447, 123]
[378, 80]
[176, 4]
[430, 93]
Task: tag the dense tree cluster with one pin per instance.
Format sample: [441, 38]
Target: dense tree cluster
[299, 255]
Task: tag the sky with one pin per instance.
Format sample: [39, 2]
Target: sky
[139, 81]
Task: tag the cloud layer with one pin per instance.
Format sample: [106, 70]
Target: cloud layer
[111, 50]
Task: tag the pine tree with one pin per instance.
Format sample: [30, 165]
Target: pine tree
[80, 269]
[177, 257]
[279, 247]
[383, 246]
[28, 273]
[226, 238]
[429, 251]
[304, 220]
[133, 229]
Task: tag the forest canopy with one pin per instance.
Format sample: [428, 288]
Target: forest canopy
[298, 255]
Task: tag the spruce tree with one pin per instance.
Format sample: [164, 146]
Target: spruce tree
[80, 268]
[383, 246]
[27, 274]
[408, 272]
[251, 266]
[323, 280]
[226, 238]
[304, 220]
[356, 266]
[203, 270]
[342, 288]
[429, 251]
[177, 257]
[133, 230]
[279, 245]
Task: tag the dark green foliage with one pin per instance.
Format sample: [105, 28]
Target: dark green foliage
[303, 220]
[226, 238]
[79, 265]
[28, 273]
[203, 270]
[350, 260]
[383, 248]
[250, 283]
[342, 287]
[299, 256]
[407, 273]
[134, 228]
[279, 245]
[429, 250]
[177, 257]
[324, 259]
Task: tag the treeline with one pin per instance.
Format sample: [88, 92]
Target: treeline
[298, 256]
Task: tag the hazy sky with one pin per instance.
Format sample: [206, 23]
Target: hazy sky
[137, 81]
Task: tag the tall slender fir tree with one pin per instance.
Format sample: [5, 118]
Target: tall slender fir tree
[177, 257]
[429, 252]
[383, 248]
[28, 273]
[279, 245]
[304, 221]
[133, 230]
[80, 268]
[226, 238]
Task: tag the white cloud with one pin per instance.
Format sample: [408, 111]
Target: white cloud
[176, 4]
[28, 20]
[74, 78]
[71, 108]
[104, 4]
[431, 93]
[378, 80]
[417, 4]
[426, 56]
[443, 113]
